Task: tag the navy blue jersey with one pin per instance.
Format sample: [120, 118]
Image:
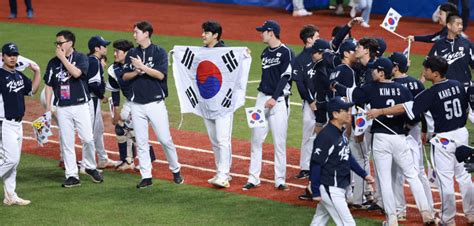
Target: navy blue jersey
[344, 75]
[276, 65]
[448, 103]
[14, 85]
[68, 90]
[331, 152]
[146, 89]
[363, 73]
[381, 95]
[433, 37]
[340, 37]
[414, 85]
[303, 74]
[470, 93]
[117, 84]
[95, 76]
[460, 56]
[332, 60]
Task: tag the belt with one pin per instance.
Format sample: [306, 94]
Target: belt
[18, 119]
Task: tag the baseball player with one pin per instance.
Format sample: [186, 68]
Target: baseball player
[66, 78]
[219, 129]
[456, 50]
[444, 9]
[14, 85]
[302, 75]
[146, 67]
[273, 97]
[447, 101]
[331, 163]
[98, 49]
[400, 67]
[388, 142]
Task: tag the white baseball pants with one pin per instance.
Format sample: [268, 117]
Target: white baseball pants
[277, 121]
[333, 204]
[219, 131]
[98, 128]
[309, 122]
[11, 138]
[361, 154]
[157, 115]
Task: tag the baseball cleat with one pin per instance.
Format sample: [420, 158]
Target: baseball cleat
[212, 179]
[402, 217]
[282, 187]
[303, 174]
[95, 175]
[15, 201]
[125, 166]
[145, 182]
[71, 182]
[177, 178]
[220, 183]
[305, 196]
[108, 163]
[249, 186]
[301, 13]
[359, 206]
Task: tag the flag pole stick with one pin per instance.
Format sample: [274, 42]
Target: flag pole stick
[393, 32]
[409, 48]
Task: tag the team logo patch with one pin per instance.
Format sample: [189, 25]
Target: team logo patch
[209, 79]
[444, 141]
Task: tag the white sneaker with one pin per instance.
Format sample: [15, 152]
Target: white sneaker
[9, 200]
[125, 166]
[301, 13]
[108, 163]
[353, 12]
[364, 24]
[220, 183]
[339, 10]
[212, 179]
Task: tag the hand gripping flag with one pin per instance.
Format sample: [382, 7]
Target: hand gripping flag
[211, 82]
[390, 22]
[42, 128]
[255, 117]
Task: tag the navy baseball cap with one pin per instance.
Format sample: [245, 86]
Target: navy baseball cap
[320, 46]
[10, 49]
[336, 104]
[270, 25]
[382, 46]
[97, 41]
[463, 152]
[346, 46]
[384, 64]
[400, 60]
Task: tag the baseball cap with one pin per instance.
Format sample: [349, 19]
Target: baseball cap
[382, 46]
[384, 64]
[320, 46]
[336, 104]
[97, 41]
[400, 60]
[10, 49]
[346, 46]
[463, 152]
[270, 25]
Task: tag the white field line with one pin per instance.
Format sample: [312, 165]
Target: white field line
[213, 171]
[233, 156]
[182, 165]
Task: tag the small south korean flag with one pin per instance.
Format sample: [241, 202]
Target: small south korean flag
[443, 143]
[391, 20]
[361, 123]
[255, 117]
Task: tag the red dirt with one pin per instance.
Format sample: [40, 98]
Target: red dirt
[183, 18]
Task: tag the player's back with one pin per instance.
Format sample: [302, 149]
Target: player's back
[414, 85]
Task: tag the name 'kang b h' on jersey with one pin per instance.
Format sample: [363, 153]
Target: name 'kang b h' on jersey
[276, 63]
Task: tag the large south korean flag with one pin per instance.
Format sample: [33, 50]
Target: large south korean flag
[211, 82]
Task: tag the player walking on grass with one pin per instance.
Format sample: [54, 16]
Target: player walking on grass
[66, 77]
[146, 67]
[14, 85]
[273, 96]
[448, 103]
[387, 147]
[331, 163]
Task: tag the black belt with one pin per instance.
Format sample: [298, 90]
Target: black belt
[18, 119]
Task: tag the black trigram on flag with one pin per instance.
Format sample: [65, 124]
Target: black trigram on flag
[230, 61]
[192, 96]
[188, 58]
[227, 99]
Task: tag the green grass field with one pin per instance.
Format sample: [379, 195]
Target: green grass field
[116, 202]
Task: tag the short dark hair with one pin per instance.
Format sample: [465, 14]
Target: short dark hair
[123, 45]
[68, 35]
[436, 63]
[308, 31]
[144, 26]
[212, 26]
[450, 18]
[371, 44]
[336, 29]
[448, 7]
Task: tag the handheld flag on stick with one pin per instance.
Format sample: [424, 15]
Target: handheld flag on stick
[255, 117]
[42, 128]
[390, 22]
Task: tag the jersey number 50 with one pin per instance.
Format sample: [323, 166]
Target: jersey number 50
[453, 107]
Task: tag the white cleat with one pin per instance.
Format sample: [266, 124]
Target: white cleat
[301, 13]
[108, 163]
[220, 183]
[9, 201]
